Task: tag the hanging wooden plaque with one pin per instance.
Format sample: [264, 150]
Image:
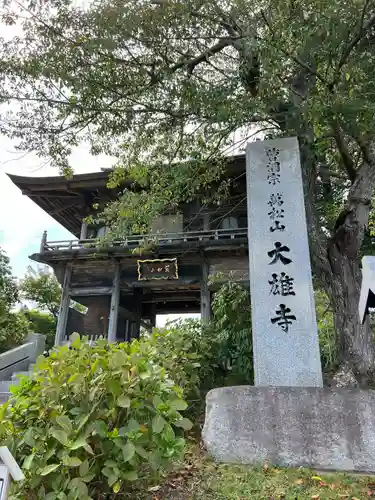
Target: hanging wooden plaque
[157, 269]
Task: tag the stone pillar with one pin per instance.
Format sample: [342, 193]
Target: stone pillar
[285, 336]
[64, 307]
[114, 307]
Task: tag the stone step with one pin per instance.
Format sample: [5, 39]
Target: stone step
[4, 396]
[17, 375]
[5, 386]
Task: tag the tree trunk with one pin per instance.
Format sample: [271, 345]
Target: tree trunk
[336, 259]
[354, 340]
[343, 277]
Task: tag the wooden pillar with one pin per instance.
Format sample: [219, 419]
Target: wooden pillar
[114, 308]
[62, 319]
[206, 222]
[43, 242]
[83, 235]
[127, 330]
[153, 315]
[138, 313]
[205, 295]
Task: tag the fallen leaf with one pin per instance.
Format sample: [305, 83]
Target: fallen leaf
[154, 488]
[265, 467]
[298, 481]
[355, 498]
[316, 478]
[315, 497]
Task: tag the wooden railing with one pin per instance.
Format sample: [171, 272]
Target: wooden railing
[132, 242]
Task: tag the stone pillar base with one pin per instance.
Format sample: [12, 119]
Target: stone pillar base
[332, 429]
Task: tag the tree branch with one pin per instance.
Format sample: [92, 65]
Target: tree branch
[190, 64]
[342, 146]
[362, 31]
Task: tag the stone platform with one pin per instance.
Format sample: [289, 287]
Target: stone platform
[328, 429]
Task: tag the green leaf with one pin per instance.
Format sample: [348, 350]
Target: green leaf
[88, 448]
[131, 475]
[81, 421]
[28, 437]
[114, 386]
[141, 452]
[185, 423]
[71, 461]
[84, 468]
[77, 484]
[51, 496]
[157, 401]
[128, 451]
[80, 442]
[75, 340]
[64, 422]
[107, 471]
[28, 461]
[158, 424]
[88, 478]
[116, 487]
[123, 401]
[61, 436]
[48, 469]
[178, 404]
[112, 479]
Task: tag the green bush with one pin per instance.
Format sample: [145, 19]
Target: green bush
[42, 322]
[13, 331]
[231, 327]
[187, 352]
[92, 420]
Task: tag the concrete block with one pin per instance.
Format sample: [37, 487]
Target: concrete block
[328, 429]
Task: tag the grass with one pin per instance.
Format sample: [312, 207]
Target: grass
[201, 479]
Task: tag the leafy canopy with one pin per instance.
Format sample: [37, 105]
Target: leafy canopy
[8, 286]
[164, 81]
[42, 287]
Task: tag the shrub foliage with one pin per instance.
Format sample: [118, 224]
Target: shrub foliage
[92, 420]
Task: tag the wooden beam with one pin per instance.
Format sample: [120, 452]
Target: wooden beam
[83, 235]
[205, 295]
[64, 307]
[43, 242]
[63, 195]
[58, 210]
[115, 301]
[91, 291]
